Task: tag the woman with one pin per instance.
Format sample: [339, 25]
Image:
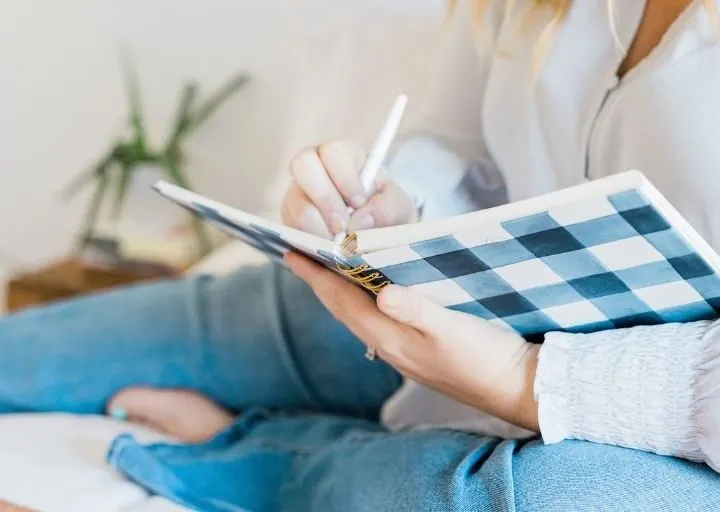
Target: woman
[544, 100]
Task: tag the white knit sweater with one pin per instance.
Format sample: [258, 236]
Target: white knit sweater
[504, 134]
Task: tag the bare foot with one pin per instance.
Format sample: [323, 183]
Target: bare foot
[185, 415]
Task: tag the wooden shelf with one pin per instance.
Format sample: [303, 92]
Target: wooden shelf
[67, 279]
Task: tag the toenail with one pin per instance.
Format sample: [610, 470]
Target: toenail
[119, 413]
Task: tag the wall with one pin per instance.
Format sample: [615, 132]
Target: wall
[320, 67]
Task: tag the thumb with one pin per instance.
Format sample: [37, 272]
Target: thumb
[414, 309]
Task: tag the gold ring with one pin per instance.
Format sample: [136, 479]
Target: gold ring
[370, 354]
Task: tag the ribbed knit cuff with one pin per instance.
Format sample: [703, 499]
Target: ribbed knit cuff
[628, 387]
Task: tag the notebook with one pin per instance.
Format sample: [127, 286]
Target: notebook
[606, 254]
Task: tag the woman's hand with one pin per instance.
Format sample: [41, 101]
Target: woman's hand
[326, 179]
[457, 354]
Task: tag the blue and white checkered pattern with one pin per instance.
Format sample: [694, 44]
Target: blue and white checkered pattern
[606, 263]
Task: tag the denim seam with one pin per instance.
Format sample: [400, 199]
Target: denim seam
[179, 489]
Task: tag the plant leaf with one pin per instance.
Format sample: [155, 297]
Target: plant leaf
[175, 174]
[95, 172]
[153, 159]
[179, 178]
[183, 116]
[95, 204]
[127, 168]
[220, 96]
[137, 122]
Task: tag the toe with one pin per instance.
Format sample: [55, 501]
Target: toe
[133, 403]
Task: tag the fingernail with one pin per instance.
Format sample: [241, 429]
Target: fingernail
[337, 223]
[119, 413]
[363, 222]
[357, 201]
[393, 296]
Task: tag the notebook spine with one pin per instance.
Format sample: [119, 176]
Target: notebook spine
[365, 276]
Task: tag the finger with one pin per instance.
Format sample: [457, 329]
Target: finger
[343, 161]
[417, 311]
[302, 267]
[300, 213]
[311, 176]
[342, 297]
[346, 302]
[389, 206]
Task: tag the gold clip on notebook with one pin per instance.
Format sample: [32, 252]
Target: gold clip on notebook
[606, 254]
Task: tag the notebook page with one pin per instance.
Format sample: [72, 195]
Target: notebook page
[385, 238]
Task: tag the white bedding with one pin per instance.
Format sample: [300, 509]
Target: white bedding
[56, 463]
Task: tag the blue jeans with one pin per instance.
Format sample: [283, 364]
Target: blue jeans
[306, 436]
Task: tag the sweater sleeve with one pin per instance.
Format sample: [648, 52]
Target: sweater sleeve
[654, 388]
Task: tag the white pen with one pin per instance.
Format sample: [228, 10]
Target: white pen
[380, 150]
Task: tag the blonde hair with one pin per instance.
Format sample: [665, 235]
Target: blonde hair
[559, 9]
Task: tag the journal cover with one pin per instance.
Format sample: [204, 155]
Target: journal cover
[595, 257]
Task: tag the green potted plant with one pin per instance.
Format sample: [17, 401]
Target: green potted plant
[132, 156]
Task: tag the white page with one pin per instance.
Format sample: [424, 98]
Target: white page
[386, 238]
